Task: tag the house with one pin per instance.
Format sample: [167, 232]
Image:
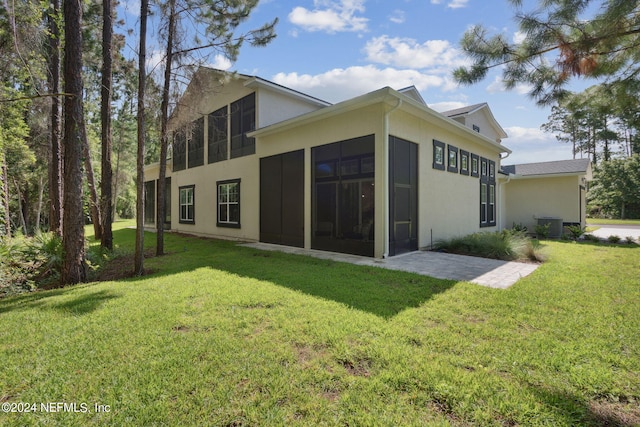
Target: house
[548, 192]
[376, 175]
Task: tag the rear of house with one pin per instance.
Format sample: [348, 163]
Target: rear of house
[377, 175]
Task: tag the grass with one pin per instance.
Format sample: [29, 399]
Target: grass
[224, 335]
[601, 221]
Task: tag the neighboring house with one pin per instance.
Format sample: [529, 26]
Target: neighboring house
[377, 175]
[537, 193]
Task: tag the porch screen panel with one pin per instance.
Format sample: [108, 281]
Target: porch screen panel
[282, 199]
[343, 196]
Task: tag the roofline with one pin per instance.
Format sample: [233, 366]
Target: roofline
[386, 94]
[543, 175]
[502, 133]
[259, 81]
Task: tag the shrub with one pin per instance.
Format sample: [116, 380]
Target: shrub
[542, 230]
[519, 228]
[576, 231]
[505, 245]
[630, 240]
[590, 238]
[29, 262]
[614, 239]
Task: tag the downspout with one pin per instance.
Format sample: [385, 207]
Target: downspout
[385, 136]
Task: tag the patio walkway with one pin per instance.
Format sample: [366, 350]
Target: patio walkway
[482, 271]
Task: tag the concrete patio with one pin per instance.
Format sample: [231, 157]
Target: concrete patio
[482, 271]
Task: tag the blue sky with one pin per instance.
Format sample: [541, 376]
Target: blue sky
[337, 49]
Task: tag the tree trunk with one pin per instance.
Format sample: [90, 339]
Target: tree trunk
[164, 137]
[39, 208]
[23, 223]
[138, 267]
[114, 200]
[55, 160]
[105, 113]
[73, 268]
[4, 197]
[94, 203]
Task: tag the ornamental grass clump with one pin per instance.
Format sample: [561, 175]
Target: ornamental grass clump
[507, 245]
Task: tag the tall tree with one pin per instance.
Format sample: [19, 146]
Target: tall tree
[105, 114]
[74, 267]
[562, 39]
[138, 267]
[55, 159]
[214, 24]
[164, 135]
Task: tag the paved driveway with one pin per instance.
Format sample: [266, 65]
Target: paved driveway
[482, 271]
[623, 231]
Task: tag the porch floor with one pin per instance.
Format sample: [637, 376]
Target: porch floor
[482, 271]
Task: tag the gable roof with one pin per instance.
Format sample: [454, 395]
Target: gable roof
[471, 109]
[412, 92]
[463, 111]
[559, 167]
[393, 99]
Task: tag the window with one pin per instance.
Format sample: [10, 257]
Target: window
[476, 128]
[196, 144]
[464, 162]
[483, 204]
[487, 193]
[453, 159]
[243, 120]
[150, 202]
[229, 203]
[187, 205]
[217, 143]
[179, 150]
[475, 165]
[438, 155]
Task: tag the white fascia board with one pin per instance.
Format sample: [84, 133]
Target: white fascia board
[256, 82]
[387, 95]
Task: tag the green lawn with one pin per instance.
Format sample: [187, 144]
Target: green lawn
[600, 221]
[226, 336]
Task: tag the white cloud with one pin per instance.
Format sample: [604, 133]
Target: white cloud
[497, 85]
[519, 36]
[446, 105]
[453, 4]
[437, 55]
[331, 16]
[397, 17]
[457, 4]
[340, 84]
[533, 145]
[221, 62]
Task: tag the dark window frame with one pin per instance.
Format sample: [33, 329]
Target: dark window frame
[488, 194]
[438, 146]
[476, 128]
[218, 135]
[181, 218]
[179, 150]
[219, 203]
[475, 161]
[464, 169]
[195, 144]
[452, 150]
[243, 120]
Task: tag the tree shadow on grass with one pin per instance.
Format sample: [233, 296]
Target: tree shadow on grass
[83, 303]
[605, 412]
[379, 291]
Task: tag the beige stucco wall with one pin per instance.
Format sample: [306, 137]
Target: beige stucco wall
[449, 203]
[529, 198]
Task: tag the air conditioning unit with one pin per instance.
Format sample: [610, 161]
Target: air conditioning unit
[555, 227]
